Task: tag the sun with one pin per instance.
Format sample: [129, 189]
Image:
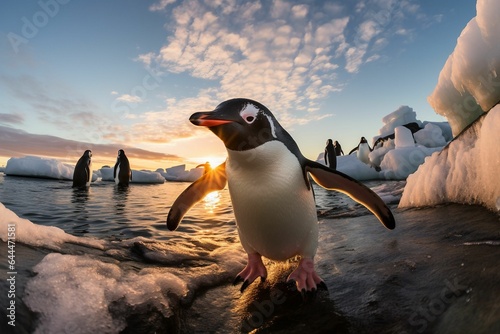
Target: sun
[214, 161]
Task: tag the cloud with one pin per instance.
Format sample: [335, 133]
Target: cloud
[161, 5]
[17, 142]
[70, 114]
[286, 54]
[11, 118]
[56, 105]
[129, 98]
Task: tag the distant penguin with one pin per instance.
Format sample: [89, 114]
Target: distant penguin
[330, 155]
[82, 176]
[363, 151]
[122, 172]
[270, 191]
[338, 149]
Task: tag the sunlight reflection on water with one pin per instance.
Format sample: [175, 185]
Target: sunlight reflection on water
[212, 201]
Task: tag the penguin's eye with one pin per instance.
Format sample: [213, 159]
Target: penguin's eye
[249, 113]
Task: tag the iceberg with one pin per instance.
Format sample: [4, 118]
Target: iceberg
[467, 94]
[31, 166]
[180, 174]
[466, 171]
[468, 84]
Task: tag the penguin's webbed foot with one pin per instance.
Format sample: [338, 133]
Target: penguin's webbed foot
[254, 268]
[306, 278]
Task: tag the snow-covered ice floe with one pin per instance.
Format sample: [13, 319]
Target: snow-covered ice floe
[31, 166]
[180, 174]
[50, 237]
[138, 176]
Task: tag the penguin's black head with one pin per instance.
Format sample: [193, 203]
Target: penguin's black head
[121, 153]
[242, 124]
[363, 140]
[88, 154]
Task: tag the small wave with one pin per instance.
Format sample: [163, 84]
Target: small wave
[480, 243]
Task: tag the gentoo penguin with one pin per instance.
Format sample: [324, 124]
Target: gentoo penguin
[363, 151]
[272, 197]
[330, 155]
[122, 173]
[82, 176]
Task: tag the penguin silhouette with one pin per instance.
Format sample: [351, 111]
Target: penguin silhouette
[330, 155]
[122, 172]
[82, 175]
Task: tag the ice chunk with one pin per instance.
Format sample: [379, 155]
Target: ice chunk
[180, 174]
[38, 235]
[32, 166]
[137, 176]
[403, 137]
[430, 136]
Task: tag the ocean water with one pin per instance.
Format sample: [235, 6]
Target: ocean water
[126, 273]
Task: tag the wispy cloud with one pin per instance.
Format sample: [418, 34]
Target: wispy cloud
[129, 98]
[11, 118]
[70, 114]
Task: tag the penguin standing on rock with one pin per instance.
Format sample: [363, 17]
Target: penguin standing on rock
[82, 175]
[272, 197]
[122, 172]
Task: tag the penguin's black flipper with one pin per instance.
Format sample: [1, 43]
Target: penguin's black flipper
[211, 181]
[334, 180]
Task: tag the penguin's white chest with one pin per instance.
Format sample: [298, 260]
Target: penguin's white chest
[117, 176]
[89, 175]
[275, 212]
[363, 153]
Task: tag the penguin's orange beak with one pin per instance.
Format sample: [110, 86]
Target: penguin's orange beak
[207, 119]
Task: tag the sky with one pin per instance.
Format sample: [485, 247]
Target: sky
[105, 75]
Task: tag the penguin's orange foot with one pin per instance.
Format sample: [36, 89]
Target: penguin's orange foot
[306, 278]
[254, 268]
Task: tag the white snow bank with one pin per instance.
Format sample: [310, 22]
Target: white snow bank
[180, 174]
[41, 167]
[467, 171]
[38, 235]
[468, 84]
[138, 176]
